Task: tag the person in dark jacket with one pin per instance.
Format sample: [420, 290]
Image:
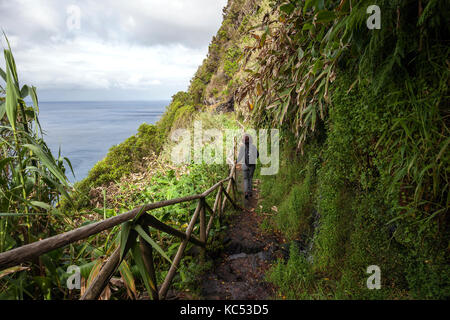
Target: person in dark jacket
[247, 158]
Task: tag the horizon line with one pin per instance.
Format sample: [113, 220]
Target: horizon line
[118, 100]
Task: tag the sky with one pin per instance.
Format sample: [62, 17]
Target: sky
[108, 49]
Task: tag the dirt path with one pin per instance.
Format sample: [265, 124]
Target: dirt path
[239, 272]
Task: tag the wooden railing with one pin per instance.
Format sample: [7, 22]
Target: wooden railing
[34, 250]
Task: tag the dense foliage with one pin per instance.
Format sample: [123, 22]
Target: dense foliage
[364, 165]
[32, 180]
[368, 109]
[133, 173]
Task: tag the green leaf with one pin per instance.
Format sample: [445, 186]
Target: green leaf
[307, 26]
[47, 162]
[146, 237]
[10, 61]
[138, 215]
[287, 8]
[320, 4]
[3, 74]
[309, 4]
[136, 253]
[264, 37]
[125, 237]
[325, 16]
[128, 279]
[24, 91]
[34, 98]
[41, 205]
[301, 53]
[11, 97]
[5, 161]
[2, 109]
[12, 270]
[317, 66]
[70, 165]
[85, 269]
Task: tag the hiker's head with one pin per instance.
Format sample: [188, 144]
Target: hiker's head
[247, 139]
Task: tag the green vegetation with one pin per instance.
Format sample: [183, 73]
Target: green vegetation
[231, 64]
[217, 78]
[32, 181]
[130, 156]
[135, 172]
[294, 279]
[363, 174]
[366, 110]
[124, 158]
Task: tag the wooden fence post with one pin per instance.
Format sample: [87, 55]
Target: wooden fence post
[203, 228]
[173, 268]
[97, 286]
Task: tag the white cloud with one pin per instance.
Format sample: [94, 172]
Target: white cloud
[121, 45]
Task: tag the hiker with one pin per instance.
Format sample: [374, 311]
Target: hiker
[247, 158]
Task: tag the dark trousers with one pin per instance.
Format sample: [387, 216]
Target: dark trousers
[248, 178]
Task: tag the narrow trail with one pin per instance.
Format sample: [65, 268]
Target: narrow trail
[239, 272]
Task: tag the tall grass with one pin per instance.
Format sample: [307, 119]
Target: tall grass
[32, 180]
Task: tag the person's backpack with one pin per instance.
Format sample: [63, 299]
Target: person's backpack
[247, 155]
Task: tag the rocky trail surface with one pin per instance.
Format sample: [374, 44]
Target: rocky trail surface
[239, 271]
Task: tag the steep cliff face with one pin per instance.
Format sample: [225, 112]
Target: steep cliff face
[218, 78]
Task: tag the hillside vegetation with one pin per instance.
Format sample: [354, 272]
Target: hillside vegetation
[364, 163]
[363, 116]
[364, 179]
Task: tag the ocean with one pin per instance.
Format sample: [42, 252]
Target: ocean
[86, 130]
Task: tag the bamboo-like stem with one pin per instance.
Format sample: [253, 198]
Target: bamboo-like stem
[176, 260]
[214, 211]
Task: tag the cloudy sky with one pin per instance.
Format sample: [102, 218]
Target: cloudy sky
[109, 49]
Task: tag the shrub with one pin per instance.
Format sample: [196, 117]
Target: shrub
[295, 278]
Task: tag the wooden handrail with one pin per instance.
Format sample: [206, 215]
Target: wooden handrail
[33, 250]
[30, 251]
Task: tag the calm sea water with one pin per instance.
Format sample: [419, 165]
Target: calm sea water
[86, 130]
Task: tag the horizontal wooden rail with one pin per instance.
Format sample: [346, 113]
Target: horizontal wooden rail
[33, 250]
[151, 221]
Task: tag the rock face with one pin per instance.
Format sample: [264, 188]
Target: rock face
[210, 101]
[226, 107]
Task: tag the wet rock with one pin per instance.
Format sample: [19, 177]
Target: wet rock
[237, 256]
[210, 288]
[225, 273]
[252, 246]
[226, 107]
[233, 247]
